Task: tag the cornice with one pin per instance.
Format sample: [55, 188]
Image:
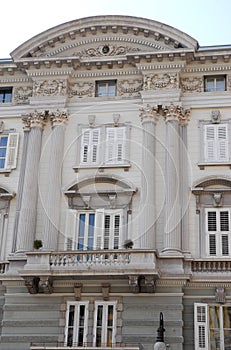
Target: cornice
[200, 69]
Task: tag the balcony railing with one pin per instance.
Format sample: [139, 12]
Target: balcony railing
[213, 266]
[62, 346]
[91, 262]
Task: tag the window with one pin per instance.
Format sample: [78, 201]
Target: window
[76, 323]
[99, 229]
[105, 88]
[216, 143]
[215, 83]
[104, 324]
[5, 94]
[8, 150]
[212, 327]
[218, 232]
[105, 145]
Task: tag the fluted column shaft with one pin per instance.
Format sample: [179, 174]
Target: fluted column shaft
[53, 193]
[173, 177]
[27, 217]
[147, 221]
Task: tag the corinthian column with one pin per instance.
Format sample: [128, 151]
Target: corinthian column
[51, 204]
[27, 215]
[175, 115]
[147, 221]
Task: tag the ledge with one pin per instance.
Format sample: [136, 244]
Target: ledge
[202, 165]
[101, 167]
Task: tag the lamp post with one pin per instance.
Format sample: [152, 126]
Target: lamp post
[160, 344]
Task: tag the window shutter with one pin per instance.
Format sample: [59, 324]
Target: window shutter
[115, 148]
[12, 150]
[212, 230]
[70, 229]
[201, 326]
[90, 146]
[210, 142]
[99, 229]
[222, 136]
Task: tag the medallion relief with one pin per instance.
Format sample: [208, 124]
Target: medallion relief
[22, 94]
[83, 89]
[106, 50]
[160, 81]
[191, 84]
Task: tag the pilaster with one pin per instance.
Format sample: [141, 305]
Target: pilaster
[149, 116]
[27, 216]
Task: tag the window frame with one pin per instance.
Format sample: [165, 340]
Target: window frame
[5, 91]
[76, 323]
[102, 158]
[11, 151]
[214, 79]
[202, 331]
[105, 305]
[106, 83]
[99, 239]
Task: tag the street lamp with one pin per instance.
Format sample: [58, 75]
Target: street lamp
[160, 344]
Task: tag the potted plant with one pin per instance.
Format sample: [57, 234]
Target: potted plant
[38, 244]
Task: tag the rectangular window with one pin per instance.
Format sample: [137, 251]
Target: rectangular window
[104, 324]
[115, 145]
[215, 83]
[218, 232]
[90, 230]
[5, 94]
[90, 146]
[8, 150]
[76, 324]
[105, 88]
[212, 327]
[216, 143]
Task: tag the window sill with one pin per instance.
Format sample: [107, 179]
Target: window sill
[5, 172]
[202, 165]
[101, 167]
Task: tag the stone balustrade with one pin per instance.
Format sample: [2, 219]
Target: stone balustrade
[213, 266]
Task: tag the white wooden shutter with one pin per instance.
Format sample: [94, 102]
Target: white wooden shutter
[225, 231]
[210, 142]
[70, 229]
[90, 146]
[211, 222]
[99, 228]
[12, 151]
[222, 140]
[201, 326]
[115, 145]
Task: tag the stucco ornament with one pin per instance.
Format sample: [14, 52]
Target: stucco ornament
[22, 94]
[160, 81]
[191, 84]
[106, 50]
[49, 87]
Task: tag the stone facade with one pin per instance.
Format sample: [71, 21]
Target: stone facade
[115, 164]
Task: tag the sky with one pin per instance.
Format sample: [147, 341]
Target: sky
[207, 21]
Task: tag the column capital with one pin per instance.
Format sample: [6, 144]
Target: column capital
[34, 119]
[58, 117]
[176, 113]
[149, 113]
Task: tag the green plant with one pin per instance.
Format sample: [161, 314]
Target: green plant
[38, 244]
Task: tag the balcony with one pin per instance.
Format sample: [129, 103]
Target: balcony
[42, 267]
[61, 346]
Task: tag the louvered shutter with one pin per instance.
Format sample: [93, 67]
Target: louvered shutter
[99, 228]
[90, 146]
[224, 228]
[12, 151]
[70, 228]
[201, 326]
[210, 142]
[116, 143]
[222, 140]
[212, 231]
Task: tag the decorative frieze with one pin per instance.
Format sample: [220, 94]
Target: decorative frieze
[22, 94]
[192, 84]
[49, 88]
[129, 87]
[106, 50]
[160, 81]
[83, 89]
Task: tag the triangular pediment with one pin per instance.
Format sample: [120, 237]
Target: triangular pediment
[103, 37]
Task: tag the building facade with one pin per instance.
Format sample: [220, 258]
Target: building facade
[115, 188]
